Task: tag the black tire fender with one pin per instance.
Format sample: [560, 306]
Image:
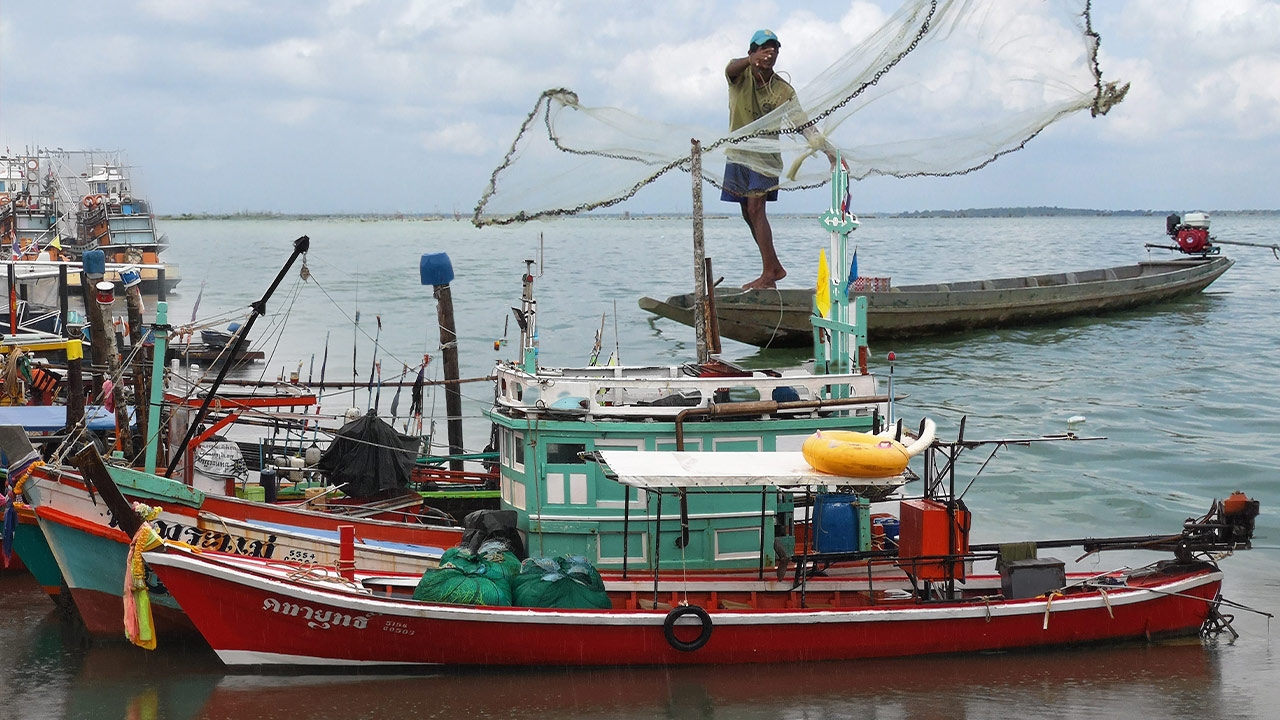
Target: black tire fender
[669, 628]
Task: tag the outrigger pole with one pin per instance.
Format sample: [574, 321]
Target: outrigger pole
[300, 246]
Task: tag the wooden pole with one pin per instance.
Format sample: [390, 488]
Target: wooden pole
[452, 391]
[713, 320]
[141, 393]
[94, 472]
[102, 311]
[91, 272]
[699, 255]
[13, 300]
[75, 385]
[63, 310]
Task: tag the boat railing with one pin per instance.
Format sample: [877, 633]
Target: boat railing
[650, 394]
[35, 269]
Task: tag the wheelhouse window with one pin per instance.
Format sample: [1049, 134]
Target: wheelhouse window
[565, 453]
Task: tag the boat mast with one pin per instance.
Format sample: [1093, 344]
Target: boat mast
[527, 319]
[839, 332]
[300, 246]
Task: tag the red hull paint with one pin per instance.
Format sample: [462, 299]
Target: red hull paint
[103, 616]
[101, 604]
[251, 618]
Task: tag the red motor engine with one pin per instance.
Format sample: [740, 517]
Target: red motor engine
[1190, 232]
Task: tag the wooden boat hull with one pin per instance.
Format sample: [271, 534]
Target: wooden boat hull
[31, 547]
[252, 616]
[91, 551]
[780, 318]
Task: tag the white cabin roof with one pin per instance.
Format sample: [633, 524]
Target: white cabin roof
[661, 469]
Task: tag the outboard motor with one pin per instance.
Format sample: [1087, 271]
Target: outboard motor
[1190, 232]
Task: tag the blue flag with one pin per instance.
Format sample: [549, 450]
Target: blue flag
[853, 272]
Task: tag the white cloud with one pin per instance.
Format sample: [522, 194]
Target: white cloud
[463, 138]
[454, 78]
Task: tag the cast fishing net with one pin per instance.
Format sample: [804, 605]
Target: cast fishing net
[568, 582]
[467, 578]
[944, 87]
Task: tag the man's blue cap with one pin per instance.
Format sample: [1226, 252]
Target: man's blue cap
[763, 36]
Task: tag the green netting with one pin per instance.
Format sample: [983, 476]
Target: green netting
[499, 557]
[465, 578]
[564, 583]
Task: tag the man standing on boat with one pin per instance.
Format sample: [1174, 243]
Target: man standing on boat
[755, 91]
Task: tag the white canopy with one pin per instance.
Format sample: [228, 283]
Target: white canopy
[660, 469]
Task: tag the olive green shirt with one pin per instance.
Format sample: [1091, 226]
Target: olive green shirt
[749, 101]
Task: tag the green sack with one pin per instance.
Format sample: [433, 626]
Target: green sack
[562, 583]
[464, 578]
[499, 558]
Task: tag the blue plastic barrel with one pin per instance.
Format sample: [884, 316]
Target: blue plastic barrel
[94, 262]
[840, 523]
[436, 269]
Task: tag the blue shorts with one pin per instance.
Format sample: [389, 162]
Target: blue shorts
[741, 181]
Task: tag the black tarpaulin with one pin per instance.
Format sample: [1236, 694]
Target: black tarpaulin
[369, 458]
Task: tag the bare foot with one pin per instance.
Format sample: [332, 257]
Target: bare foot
[766, 280]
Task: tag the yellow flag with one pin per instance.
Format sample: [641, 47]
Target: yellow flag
[56, 242]
[823, 297]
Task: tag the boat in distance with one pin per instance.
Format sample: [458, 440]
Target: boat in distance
[780, 317]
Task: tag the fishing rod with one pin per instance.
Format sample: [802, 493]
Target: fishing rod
[300, 246]
[374, 368]
[324, 364]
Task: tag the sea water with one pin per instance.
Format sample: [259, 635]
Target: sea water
[1184, 393]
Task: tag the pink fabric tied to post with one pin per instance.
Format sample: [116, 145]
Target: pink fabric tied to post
[109, 396]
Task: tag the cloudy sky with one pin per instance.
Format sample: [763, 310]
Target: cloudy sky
[373, 106]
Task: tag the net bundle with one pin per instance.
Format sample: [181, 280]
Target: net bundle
[944, 87]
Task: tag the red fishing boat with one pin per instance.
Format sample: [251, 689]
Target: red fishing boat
[915, 596]
[254, 613]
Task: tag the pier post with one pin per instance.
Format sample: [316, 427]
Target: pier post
[63, 300]
[436, 270]
[131, 278]
[699, 255]
[92, 268]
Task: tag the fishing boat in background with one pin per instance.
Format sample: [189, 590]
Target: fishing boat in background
[112, 217]
[205, 497]
[63, 203]
[780, 317]
[29, 211]
[214, 348]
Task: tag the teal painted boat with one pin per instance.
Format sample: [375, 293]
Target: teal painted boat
[550, 420]
[32, 549]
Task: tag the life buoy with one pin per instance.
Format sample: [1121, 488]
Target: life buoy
[862, 455]
[91, 201]
[32, 164]
[669, 628]
[4, 198]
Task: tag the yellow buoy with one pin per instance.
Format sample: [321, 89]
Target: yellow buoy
[855, 454]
